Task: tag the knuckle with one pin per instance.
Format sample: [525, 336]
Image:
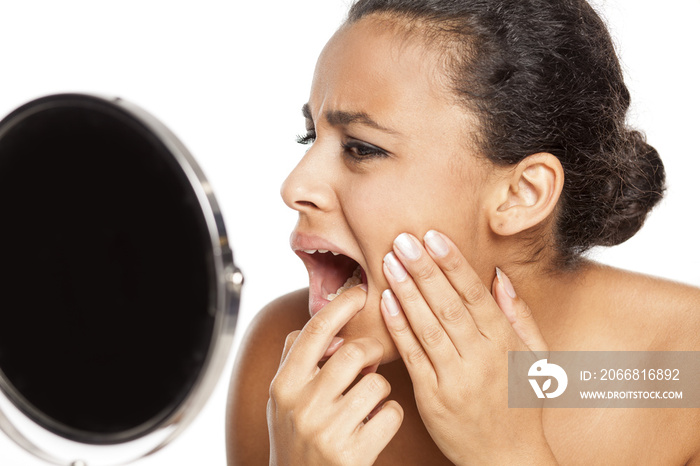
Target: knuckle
[353, 352]
[424, 272]
[452, 311]
[376, 383]
[524, 312]
[325, 438]
[432, 335]
[403, 329]
[357, 403]
[415, 355]
[451, 263]
[475, 293]
[412, 295]
[317, 325]
[277, 392]
[274, 389]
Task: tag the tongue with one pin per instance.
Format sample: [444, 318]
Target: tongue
[354, 280]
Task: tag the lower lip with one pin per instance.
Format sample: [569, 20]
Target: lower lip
[316, 303]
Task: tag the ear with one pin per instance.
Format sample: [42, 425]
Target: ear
[526, 195]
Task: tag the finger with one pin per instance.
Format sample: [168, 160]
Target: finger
[363, 399]
[314, 339]
[345, 365]
[475, 295]
[288, 342]
[518, 313]
[414, 356]
[441, 295]
[426, 327]
[378, 431]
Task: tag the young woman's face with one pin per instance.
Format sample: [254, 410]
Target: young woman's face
[390, 153]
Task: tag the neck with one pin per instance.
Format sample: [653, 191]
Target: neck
[554, 296]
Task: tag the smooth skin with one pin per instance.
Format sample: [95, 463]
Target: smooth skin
[305, 390]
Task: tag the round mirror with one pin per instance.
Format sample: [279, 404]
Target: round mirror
[119, 294]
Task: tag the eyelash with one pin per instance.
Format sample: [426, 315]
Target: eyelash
[358, 151]
[307, 138]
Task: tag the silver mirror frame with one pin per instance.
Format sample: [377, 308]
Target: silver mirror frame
[55, 449]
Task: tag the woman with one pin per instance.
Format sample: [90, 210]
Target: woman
[463, 156]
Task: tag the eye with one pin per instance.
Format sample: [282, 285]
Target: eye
[307, 138]
[360, 151]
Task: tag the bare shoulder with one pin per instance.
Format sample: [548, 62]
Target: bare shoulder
[660, 314]
[256, 364]
[620, 310]
[668, 312]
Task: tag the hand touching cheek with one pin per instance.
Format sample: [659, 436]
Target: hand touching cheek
[454, 338]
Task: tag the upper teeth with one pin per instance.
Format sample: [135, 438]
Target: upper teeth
[322, 251]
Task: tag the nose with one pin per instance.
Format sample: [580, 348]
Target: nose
[308, 187]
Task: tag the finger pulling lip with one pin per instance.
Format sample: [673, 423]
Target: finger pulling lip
[330, 268]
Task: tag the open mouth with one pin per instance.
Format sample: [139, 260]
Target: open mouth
[331, 273]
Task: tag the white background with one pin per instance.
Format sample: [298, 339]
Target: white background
[229, 78]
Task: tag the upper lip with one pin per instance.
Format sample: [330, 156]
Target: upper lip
[301, 242]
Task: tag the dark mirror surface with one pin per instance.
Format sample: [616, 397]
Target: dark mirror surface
[106, 275]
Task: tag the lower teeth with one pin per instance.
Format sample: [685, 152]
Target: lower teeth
[355, 280]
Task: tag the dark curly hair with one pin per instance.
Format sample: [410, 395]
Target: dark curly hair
[543, 76]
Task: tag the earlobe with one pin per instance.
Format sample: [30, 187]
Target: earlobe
[527, 195]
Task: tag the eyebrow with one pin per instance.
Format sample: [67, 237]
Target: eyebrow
[340, 118]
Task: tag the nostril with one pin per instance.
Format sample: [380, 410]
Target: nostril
[306, 204]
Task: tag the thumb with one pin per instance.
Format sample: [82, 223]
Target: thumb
[517, 312]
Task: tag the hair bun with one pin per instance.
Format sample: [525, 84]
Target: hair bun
[637, 188]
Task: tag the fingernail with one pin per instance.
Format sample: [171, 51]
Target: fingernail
[390, 303]
[395, 267]
[436, 243]
[363, 286]
[408, 246]
[505, 282]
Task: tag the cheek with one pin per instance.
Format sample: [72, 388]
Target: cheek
[377, 211]
[381, 207]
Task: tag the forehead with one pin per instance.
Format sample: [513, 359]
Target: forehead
[370, 65]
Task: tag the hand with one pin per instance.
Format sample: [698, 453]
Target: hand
[310, 420]
[454, 339]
